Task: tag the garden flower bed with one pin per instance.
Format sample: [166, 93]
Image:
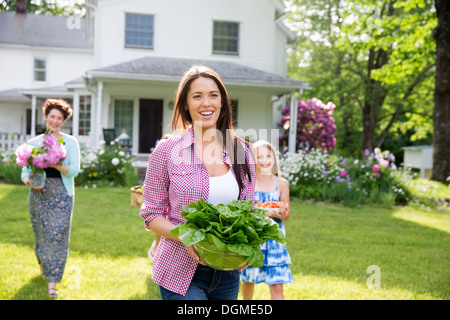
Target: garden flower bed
[314, 174]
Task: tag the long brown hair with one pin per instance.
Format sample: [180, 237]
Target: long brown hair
[181, 118]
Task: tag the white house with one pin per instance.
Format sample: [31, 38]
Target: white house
[119, 66]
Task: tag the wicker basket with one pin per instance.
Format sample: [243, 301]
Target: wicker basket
[136, 196]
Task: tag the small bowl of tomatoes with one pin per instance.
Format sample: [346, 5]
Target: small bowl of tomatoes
[271, 207]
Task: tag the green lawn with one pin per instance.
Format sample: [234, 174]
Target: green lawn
[331, 248]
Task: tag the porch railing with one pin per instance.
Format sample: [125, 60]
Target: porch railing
[10, 141]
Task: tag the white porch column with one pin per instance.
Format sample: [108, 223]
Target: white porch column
[33, 116]
[76, 114]
[293, 124]
[98, 116]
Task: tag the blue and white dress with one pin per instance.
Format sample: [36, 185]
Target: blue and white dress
[276, 257]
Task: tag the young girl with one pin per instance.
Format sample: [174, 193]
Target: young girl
[270, 187]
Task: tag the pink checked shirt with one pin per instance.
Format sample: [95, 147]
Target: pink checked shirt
[175, 177]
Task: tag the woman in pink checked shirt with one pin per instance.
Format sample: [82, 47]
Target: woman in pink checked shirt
[204, 161]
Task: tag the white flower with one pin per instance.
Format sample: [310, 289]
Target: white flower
[91, 157]
[115, 161]
[121, 153]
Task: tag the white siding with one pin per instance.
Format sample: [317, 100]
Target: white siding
[17, 66]
[184, 29]
[12, 117]
[280, 52]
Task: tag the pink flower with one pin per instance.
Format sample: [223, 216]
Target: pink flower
[49, 141]
[384, 163]
[23, 152]
[343, 173]
[60, 151]
[377, 175]
[51, 157]
[39, 161]
[51, 152]
[375, 168]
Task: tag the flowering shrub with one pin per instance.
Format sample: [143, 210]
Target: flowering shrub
[106, 165]
[315, 124]
[51, 151]
[9, 170]
[377, 175]
[314, 174]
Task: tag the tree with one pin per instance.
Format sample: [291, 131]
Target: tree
[441, 116]
[45, 7]
[370, 58]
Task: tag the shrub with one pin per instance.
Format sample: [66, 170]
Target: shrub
[314, 174]
[106, 165]
[315, 124]
[9, 170]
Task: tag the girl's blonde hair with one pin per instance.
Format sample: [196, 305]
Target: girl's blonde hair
[261, 143]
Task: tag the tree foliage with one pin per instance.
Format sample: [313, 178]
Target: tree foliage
[373, 59]
[46, 7]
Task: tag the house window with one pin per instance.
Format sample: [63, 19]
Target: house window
[226, 37]
[84, 123]
[40, 69]
[138, 31]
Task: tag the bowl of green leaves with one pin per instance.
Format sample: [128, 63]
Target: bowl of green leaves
[227, 236]
[217, 259]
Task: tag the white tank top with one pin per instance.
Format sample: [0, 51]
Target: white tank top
[223, 189]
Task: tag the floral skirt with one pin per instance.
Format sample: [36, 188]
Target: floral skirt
[51, 218]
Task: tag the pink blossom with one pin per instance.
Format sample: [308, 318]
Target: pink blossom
[376, 168]
[384, 163]
[39, 161]
[377, 175]
[23, 152]
[51, 157]
[50, 153]
[343, 173]
[60, 151]
[49, 141]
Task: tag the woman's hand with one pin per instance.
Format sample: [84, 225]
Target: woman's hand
[243, 267]
[193, 253]
[26, 180]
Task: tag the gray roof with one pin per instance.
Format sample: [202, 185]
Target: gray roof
[23, 95]
[41, 31]
[60, 90]
[13, 95]
[172, 69]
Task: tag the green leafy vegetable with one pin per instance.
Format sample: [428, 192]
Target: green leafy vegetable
[233, 228]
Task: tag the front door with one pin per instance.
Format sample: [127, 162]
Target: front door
[150, 123]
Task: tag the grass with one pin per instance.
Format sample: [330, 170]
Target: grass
[429, 188]
[331, 248]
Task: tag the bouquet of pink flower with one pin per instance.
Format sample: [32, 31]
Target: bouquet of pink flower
[51, 151]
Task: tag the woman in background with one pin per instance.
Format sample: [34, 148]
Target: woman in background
[51, 206]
